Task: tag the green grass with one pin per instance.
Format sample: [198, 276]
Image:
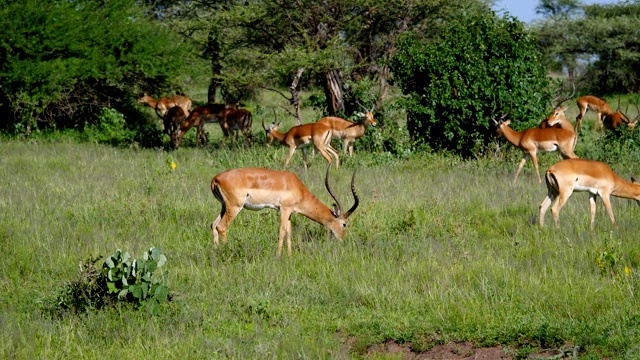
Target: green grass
[440, 249]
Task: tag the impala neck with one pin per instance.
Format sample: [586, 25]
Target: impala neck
[511, 135]
[151, 101]
[626, 189]
[315, 210]
[278, 135]
[356, 130]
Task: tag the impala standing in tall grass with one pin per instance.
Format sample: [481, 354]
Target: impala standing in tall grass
[256, 189]
[532, 140]
[567, 176]
[348, 131]
[303, 136]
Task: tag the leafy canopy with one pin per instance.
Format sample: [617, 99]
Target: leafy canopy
[478, 66]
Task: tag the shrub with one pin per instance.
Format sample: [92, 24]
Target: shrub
[120, 278]
[480, 66]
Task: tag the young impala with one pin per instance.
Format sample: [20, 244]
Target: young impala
[530, 141]
[348, 131]
[256, 189]
[303, 136]
[567, 176]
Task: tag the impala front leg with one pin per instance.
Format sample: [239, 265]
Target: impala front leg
[285, 231]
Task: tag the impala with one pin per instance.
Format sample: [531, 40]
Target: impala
[567, 176]
[234, 120]
[173, 119]
[557, 119]
[303, 136]
[530, 141]
[256, 189]
[164, 104]
[595, 104]
[348, 131]
[198, 117]
[612, 121]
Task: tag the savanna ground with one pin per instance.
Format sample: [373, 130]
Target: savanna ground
[443, 259]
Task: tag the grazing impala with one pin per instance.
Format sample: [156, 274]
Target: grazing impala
[530, 141]
[567, 176]
[612, 121]
[595, 104]
[348, 131]
[164, 104]
[173, 119]
[198, 117]
[303, 136]
[256, 189]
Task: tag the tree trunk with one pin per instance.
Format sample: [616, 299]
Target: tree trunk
[333, 92]
[295, 95]
[213, 50]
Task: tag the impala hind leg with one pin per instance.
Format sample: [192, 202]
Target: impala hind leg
[551, 197]
[555, 209]
[222, 222]
[520, 166]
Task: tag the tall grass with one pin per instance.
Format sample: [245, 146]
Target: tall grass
[440, 249]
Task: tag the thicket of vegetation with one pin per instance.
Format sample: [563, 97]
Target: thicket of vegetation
[477, 67]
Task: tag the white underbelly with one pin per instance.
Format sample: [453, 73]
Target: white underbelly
[577, 187]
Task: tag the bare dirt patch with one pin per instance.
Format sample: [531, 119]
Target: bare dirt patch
[450, 351]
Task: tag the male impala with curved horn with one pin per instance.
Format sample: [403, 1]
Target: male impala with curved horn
[558, 119]
[303, 136]
[530, 141]
[567, 176]
[348, 131]
[164, 104]
[256, 189]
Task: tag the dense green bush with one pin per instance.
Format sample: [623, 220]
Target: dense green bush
[61, 62]
[479, 67]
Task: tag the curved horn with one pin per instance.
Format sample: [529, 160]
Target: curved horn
[335, 198]
[264, 127]
[561, 100]
[355, 196]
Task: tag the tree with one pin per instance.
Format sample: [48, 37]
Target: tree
[477, 68]
[62, 61]
[609, 34]
[334, 44]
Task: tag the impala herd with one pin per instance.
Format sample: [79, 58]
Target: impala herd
[259, 188]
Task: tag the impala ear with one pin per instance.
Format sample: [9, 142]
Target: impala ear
[359, 114]
[335, 211]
